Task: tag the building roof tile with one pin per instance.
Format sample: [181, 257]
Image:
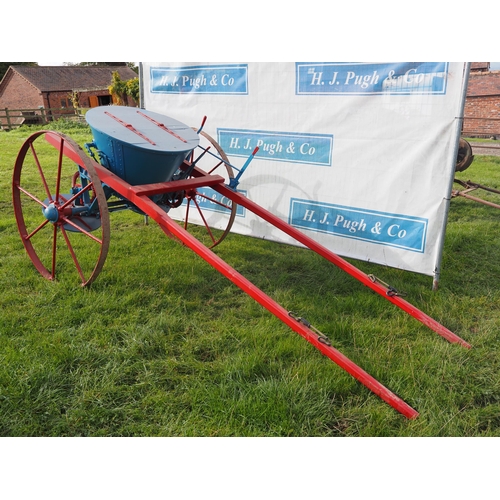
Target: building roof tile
[58, 78]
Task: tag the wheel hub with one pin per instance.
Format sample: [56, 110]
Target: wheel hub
[51, 213]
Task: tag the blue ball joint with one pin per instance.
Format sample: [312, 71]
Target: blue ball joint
[51, 213]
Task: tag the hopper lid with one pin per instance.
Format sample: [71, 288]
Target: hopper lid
[143, 128]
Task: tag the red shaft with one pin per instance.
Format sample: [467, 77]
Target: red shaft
[137, 195]
[172, 227]
[341, 263]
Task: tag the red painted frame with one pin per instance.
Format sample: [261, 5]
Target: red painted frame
[139, 196]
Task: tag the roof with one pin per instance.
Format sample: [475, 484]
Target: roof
[485, 84]
[480, 66]
[57, 78]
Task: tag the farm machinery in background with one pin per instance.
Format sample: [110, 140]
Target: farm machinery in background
[464, 160]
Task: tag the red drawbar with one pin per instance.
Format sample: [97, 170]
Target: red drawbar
[138, 195]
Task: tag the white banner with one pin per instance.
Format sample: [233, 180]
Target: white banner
[360, 156]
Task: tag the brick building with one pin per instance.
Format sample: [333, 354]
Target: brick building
[482, 103]
[50, 87]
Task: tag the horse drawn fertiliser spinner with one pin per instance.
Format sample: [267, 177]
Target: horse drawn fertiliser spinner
[150, 163]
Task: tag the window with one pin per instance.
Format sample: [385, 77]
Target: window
[104, 100]
[99, 100]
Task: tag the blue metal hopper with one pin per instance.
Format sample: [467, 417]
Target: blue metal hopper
[140, 146]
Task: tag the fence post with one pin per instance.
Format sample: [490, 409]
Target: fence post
[8, 118]
[44, 118]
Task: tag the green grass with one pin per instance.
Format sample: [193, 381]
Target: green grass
[481, 139]
[163, 345]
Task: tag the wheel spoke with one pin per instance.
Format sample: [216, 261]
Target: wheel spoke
[186, 220]
[42, 225]
[207, 227]
[59, 168]
[82, 221]
[81, 230]
[212, 200]
[73, 254]
[215, 168]
[33, 197]
[54, 252]
[40, 171]
[77, 195]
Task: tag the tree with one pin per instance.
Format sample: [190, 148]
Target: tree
[133, 89]
[95, 64]
[131, 65]
[119, 88]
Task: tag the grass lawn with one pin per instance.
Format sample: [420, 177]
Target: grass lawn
[161, 344]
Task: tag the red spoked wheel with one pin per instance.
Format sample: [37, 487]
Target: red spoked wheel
[60, 207]
[205, 213]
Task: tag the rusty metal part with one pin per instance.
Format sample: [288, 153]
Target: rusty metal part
[321, 336]
[464, 156]
[464, 159]
[472, 186]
